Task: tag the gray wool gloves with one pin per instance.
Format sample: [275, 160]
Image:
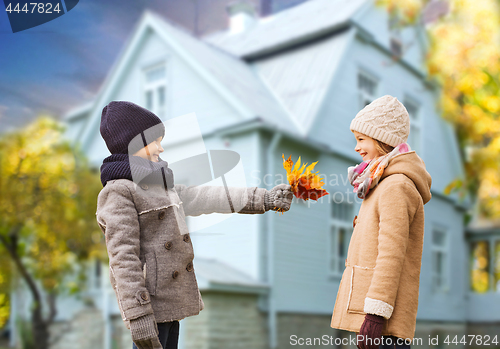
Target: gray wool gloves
[280, 197]
[145, 332]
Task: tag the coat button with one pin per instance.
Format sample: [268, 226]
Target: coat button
[189, 267]
[161, 215]
[144, 186]
[168, 245]
[354, 221]
[144, 296]
[175, 274]
[186, 238]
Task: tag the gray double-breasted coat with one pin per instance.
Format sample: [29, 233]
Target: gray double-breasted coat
[149, 247]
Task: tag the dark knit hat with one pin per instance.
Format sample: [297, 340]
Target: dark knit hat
[122, 121]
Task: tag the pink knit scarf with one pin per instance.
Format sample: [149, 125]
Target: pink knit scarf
[366, 175]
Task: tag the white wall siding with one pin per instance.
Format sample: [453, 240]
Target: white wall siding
[483, 308]
[302, 282]
[234, 241]
[447, 305]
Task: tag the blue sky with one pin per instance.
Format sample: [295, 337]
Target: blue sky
[61, 64]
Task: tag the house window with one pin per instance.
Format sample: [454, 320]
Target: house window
[439, 260]
[396, 42]
[414, 137]
[396, 47]
[97, 273]
[367, 87]
[94, 272]
[480, 266]
[155, 89]
[340, 235]
[496, 266]
[485, 265]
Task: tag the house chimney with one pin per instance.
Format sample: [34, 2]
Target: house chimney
[266, 7]
[242, 16]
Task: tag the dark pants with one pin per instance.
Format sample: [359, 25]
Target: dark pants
[391, 342]
[168, 334]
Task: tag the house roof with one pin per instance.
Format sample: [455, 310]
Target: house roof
[300, 78]
[289, 27]
[235, 76]
[480, 225]
[79, 110]
[215, 275]
[231, 77]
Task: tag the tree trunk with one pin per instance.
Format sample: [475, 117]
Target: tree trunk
[40, 326]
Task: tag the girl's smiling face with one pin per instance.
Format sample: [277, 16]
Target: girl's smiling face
[366, 146]
[152, 151]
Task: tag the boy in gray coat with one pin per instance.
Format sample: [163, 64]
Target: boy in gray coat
[142, 214]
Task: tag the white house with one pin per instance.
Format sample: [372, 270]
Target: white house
[285, 84]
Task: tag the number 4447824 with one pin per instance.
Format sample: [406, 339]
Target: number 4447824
[40, 7]
[472, 339]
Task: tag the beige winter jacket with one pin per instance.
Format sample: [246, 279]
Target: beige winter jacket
[149, 247]
[383, 262]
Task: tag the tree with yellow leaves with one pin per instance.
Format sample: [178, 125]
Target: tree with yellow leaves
[47, 216]
[5, 283]
[464, 58]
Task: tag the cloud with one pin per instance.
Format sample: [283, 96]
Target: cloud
[13, 117]
[23, 104]
[62, 64]
[35, 96]
[3, 109]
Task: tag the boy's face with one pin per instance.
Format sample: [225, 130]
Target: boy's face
[365, 146]
[152, 151]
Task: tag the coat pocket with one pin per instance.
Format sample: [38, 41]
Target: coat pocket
[361, 279]
[150, 271]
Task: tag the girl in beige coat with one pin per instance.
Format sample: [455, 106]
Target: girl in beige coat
[378, 293]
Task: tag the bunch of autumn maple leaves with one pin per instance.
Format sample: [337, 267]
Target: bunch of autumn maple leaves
[305, 185]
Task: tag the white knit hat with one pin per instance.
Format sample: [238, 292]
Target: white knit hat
[385, 119]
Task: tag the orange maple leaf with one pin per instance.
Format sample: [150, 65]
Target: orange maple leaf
[305, 185]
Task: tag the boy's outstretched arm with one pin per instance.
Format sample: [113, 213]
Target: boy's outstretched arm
[198, 200]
